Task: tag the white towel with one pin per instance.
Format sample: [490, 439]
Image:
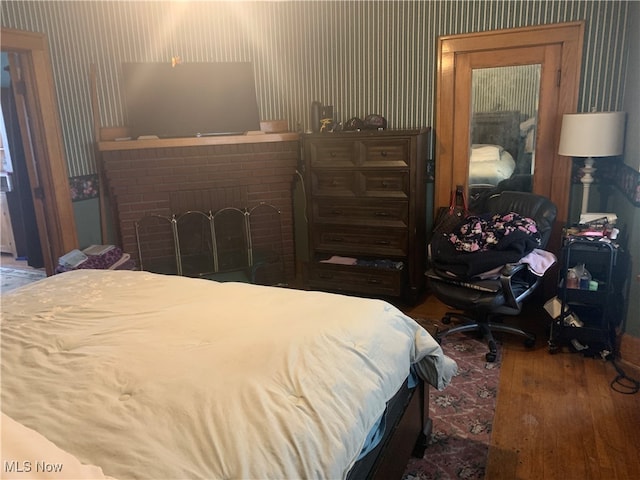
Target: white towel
[539, 261]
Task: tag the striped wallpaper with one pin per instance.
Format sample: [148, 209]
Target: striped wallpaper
[500, 89]
[359, 56]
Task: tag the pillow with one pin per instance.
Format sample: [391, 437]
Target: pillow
[27, 454]
[485, 153]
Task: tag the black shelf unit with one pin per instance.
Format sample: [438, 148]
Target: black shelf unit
[600, 311]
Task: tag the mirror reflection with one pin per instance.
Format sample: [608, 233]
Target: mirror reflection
[503, 129]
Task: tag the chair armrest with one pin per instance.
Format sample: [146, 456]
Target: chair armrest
[506, 274]
[510, 269]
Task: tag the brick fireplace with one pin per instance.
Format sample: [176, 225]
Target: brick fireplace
[172, 176]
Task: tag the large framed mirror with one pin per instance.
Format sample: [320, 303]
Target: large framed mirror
[504, 117]
[500, 100]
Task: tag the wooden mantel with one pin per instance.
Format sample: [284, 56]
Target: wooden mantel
[259, 137]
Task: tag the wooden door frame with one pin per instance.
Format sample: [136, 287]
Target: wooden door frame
[50, 187]
[570, 36]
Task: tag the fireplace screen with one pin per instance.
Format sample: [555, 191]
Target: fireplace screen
[231, 244]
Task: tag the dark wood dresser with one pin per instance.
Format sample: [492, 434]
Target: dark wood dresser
[366, 202]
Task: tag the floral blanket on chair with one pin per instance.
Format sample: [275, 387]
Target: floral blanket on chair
[482, 243]
[478, 233]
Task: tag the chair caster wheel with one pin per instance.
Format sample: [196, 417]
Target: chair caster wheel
[491, 357]
[446, 320]
[529, 343]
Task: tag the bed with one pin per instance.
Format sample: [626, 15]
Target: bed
[489, 165]
[502, 153]
[140, 375]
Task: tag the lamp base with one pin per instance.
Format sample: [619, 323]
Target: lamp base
[587, 180]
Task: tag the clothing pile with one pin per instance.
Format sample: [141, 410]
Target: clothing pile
[477, 233]
[484, 242]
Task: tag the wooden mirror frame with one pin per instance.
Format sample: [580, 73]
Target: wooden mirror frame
[48, 175]
[451, 168]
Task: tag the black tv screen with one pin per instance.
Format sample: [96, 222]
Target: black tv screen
[190, 99]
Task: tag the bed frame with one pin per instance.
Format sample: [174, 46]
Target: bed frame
[408, 428]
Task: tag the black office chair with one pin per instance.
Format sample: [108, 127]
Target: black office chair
[482, 301]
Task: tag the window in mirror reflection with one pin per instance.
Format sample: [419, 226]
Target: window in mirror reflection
[503, 130]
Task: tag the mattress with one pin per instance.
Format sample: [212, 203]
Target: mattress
[153, 376]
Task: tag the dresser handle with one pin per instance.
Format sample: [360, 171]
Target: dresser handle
[384, 184]
[381, 214]
[383, 242]
[383, 153]
[336, 239]
[336, 212]
[333, 154]
[373, 281]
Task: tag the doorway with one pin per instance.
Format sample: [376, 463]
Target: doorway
[40, 134]
[20, 240]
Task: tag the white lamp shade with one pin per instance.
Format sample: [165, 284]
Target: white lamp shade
[599, 134]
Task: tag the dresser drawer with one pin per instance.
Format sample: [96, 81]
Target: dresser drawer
[334, 153]
[354, 279]
[358, 241]
[360, 183]
[386, 153]
[367, 152]
[341, 183]
[381, 183]
[388, 213]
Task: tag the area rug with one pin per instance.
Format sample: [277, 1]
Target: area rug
[462, 415]
[12, 278]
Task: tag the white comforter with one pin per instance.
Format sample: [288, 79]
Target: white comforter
[151, 376]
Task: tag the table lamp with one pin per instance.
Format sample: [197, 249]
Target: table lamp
[588, 135]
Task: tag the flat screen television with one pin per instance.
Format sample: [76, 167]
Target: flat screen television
[190, 99]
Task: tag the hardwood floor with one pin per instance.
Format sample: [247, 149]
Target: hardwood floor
[8, 260]
[557, 416]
